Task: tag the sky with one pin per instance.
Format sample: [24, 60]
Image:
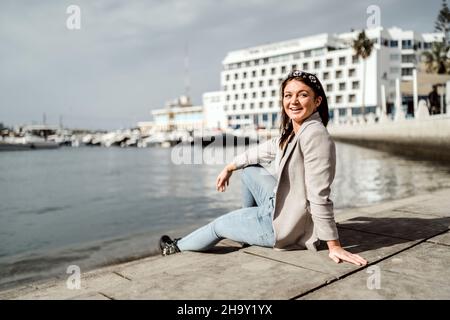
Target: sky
[127, 58]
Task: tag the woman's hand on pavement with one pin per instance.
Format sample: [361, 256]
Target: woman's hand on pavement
[339, 254]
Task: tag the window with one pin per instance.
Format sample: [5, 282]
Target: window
[236, 76]
[263, 72]
[270, 104]
[272, 71]
[236, 97]
[393, 43]
[338, 99]
[228, 97]
[283, 69]
[307, 53]
[270, 82]
[253, 95]
[407, 44]
[261, 83]
[225, 88]
[264, 116]
[326, 75]
[256, 62]
[338, 74]
[394, 57]
[225, 108]
[341, 86]
[242, 85]
[294, 67]
[244, 75]
[233, 86]
[251, 84]
[266, 60]
[273, 93]
[355, 59]
[254, 73]
[316, 64]
[245, 96]
[329, 62]
[355, 85]
[252, 105]
[227, 77]
[305, 66]
[351, 72]
[261, 104]
[407, 71]
[329, 87]
[234, 107]
[408, 58]
[263, 94]
[341, 61]
[351, 98]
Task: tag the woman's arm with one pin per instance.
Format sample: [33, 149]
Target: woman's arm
[262, 153]
[320, 161]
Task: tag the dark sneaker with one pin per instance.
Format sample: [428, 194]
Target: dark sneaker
[168, 246]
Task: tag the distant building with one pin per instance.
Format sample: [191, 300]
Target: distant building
[213, 111]
[179, 114]
[251, 77]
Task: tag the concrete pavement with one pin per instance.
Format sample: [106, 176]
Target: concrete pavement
[407, 244]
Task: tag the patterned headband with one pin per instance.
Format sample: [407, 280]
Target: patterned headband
[309, 78]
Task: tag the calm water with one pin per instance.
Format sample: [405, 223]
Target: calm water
[97, 206]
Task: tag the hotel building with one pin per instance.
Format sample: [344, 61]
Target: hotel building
[251, 77]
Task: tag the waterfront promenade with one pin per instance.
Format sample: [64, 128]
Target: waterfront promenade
[406, 241]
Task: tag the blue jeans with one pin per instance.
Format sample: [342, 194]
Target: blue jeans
[252, 224]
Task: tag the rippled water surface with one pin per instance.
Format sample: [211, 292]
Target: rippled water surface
[95, 206]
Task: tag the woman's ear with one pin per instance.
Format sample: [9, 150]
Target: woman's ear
[318, 101]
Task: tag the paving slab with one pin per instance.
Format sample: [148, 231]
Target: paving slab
[345, 214]
[419, 273]
[235, 275]
[90, 285]
[402, 224]
[429, 207]
[443, 239]
[372, 247]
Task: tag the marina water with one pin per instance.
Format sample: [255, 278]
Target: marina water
[93, 206]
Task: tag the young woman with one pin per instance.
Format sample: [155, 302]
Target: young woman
[292, 210]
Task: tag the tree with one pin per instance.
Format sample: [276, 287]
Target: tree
[436, 60]
[363, 48]
[443, 21]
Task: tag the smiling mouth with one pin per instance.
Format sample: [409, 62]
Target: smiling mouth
[295, 110]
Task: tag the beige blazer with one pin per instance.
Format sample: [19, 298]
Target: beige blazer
[303, 210]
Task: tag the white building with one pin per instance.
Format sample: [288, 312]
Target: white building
[251, 77]
[179, 114]
[213, 111]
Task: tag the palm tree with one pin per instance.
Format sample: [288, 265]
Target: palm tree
[436, 60]
[363, 48]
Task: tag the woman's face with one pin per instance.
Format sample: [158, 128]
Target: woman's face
[299, 101]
